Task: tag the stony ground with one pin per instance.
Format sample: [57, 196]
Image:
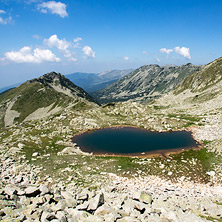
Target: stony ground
[44, 177]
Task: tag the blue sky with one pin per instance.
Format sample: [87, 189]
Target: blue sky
[39, 36]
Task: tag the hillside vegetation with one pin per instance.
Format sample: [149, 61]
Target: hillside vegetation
[201, 80]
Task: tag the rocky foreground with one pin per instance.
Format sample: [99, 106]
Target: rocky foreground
[30, 193]
[25, 196]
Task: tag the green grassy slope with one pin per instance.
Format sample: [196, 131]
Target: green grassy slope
[203, 79]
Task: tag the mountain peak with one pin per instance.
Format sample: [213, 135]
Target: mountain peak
[188, 64]
[105, 72]
[42, 97]
[147, 66]
[51, 75]
[48, 77]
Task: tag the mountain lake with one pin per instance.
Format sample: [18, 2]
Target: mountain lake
[132, 141]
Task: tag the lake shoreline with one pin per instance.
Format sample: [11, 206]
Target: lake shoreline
[149, 154]
[164, 154]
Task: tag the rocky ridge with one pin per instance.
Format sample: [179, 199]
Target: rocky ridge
[41, 97]
[209, 76]
[146, 83]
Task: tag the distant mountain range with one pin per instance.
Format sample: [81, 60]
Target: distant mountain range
[146, 83]
[92, 82]
[6, 88]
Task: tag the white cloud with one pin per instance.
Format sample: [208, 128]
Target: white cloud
[3, 20]
[145, 52]
[167, 51]
[2, 11]
[31, 1]
[6, 20]
[71, 56]
[36, 36]
[26, 55]
[73, 59]
[88, 52]
[43, 10]
[77, 39]
[185, 52]
[58, 8]
[61, 44]
[66, 49]
[126, 58]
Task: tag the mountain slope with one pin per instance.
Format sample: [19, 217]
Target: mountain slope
[200, 92]
[203, 79]
[41, 97]
[91, 82]
[146, 82]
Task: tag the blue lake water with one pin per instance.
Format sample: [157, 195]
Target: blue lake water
[130, 140]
